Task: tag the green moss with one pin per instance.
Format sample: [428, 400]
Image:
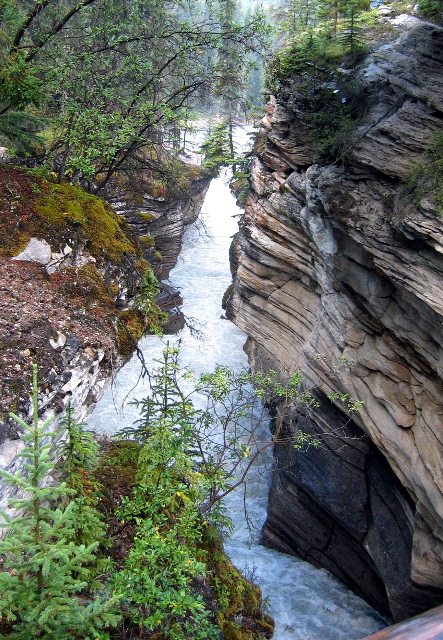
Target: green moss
[142, 265]
[147, 217]
[132, 198]
[114, 289]
[83, 284]
[147, 241]
[238, 601]
[158, 255]
[32, 206]
[65, 204]
[131, 327]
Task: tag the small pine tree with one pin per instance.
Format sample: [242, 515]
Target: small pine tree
[44, 572]
[216, 148]
[79, 453]
[351, 34]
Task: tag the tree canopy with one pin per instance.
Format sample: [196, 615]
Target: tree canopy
[110, 76]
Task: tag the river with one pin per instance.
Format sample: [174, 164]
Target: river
[307, 603]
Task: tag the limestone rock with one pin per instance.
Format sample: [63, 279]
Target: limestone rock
[161, 221]
[36, 251]
[338, 274]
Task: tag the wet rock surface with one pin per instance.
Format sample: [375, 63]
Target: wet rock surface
[339, 274]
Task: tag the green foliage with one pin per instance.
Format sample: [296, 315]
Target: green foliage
[20, 87]
[44, 572]
[328, 108]
[79, 452]
[240, 187]
[130, 73]
[169, 480]
[351, 32]
[318, 35]
[191, 458]
[431, 9]
[157, 581]
[216, 149]
[425, 179]
[217, 465]
[20, 131]
[131, 327]
[19, 84]
[146, 302]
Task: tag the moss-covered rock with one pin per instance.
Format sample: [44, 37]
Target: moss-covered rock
[66, 206]
[61, 214]
[131, 327]
[237, 601]
[74, 314]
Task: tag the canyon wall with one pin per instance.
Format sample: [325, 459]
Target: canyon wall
[339, 273]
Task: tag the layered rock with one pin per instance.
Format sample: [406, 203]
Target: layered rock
[160, 221]
[339, 274]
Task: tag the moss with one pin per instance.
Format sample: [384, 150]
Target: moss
[82, 284]
[131, 327]
[114, 289]
[31, 206]
[147, 241]
[65, 204]
[147, 217]
[158, 255]
[132, 198]
[237, 600]
[116, 472]
[142, 266]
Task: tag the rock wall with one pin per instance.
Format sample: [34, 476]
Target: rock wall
[161, 220]
[340, 274]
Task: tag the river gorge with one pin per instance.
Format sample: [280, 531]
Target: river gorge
[334, 269]
[306, 602]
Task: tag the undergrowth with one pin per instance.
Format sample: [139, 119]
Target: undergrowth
[425, 179]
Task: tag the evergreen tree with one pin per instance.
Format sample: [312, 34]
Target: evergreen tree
[79, 457]
[217, 148]
[129, 71]
[44, 571]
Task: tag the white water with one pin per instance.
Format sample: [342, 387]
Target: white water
[307, 603]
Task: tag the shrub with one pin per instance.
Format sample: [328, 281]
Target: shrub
[425, 179]
[44, 571]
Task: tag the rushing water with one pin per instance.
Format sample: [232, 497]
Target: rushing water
[307, 603]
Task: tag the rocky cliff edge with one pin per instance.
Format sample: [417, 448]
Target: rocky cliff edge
[339, 273]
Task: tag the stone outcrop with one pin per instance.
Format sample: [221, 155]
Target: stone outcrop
[69, 276]
[160, 221]
[339, 273]
[428, 626]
